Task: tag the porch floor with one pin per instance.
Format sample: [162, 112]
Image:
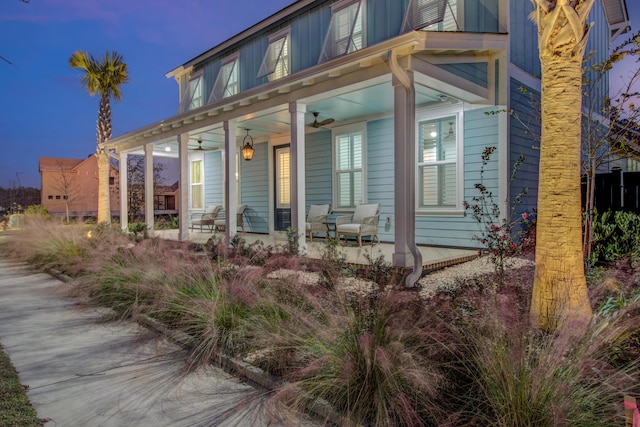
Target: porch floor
[433, 258]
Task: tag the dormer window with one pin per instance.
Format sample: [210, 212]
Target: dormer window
[227, 81]
[430, 15]
[276, 61]
[193, 96]
[345, 30]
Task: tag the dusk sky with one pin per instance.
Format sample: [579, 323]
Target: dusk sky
[45, 112]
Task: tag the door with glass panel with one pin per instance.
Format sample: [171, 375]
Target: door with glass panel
[282, 182]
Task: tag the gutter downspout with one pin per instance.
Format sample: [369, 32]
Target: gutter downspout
[407, 83]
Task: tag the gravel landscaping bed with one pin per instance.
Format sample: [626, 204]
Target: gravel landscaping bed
[450, 275]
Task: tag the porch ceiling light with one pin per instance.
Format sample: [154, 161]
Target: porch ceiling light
[247, 147]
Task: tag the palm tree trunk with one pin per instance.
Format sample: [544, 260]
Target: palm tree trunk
[560, 289]
[104, 200]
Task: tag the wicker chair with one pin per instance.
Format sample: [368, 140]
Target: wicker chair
[205, 219]
[363, 222]
[220, 223]
[316, 218]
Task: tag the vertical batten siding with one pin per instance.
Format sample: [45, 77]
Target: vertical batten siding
[380, 173]
[308, 31]
[481, 16]
[250, 59]
[474, 72]
[480, 130]
[214, 178]
[384, 19]
[318, 180]
[524, 139]
[524, 41]
[254, 187]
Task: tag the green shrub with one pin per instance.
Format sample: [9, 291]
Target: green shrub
[615, 235]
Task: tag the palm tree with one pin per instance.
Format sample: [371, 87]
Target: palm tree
[559, 287]
[104, 77]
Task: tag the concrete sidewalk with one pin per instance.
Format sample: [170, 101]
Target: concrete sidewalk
[82, 371]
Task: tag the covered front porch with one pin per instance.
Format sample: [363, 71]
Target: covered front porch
[432, 257]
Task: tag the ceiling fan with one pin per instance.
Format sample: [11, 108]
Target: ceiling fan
[200, 147]
[317, 124]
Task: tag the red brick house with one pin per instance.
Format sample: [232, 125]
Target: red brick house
[73, 184]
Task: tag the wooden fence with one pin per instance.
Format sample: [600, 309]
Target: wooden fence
[618, 191]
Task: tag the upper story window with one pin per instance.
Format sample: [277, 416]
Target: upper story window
[430, 15]
[439, 164]
[227, 81]
[276, 61]
[348, 153]
[345, 34]
[193, 96]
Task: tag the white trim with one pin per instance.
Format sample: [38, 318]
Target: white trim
[522, 76]
[342, 130]
[196, 157]
[233, 58]
[286, 34]
[435, 113]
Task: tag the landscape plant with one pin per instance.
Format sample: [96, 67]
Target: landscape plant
[373, 354]
[503, 235]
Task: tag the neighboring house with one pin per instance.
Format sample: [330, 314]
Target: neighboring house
[167, 197]
[407, 93]
[73, 184]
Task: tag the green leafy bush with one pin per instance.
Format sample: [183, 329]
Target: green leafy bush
[615, 235]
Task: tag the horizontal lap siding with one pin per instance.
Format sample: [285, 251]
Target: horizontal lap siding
[524, 139]
[255, 190]
[318, 168]
[380, 172]
[480, 131]
[214, 176]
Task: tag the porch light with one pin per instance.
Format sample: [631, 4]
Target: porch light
[247, 147]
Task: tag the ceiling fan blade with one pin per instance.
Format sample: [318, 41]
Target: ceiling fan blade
[325, 122]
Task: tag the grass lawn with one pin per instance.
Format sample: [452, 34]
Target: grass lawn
[15, 408]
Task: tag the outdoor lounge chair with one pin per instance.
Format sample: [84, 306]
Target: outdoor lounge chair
[363, 222]
[221, 222]
[317, 216]
[205, 219]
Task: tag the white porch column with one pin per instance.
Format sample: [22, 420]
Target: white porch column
[298, 195]
[124, 190]
[148, 188]
[405, 174]
[183, 173]
[231, 202]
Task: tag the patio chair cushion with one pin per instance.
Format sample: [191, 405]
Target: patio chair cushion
[316, 211]
[364, 211]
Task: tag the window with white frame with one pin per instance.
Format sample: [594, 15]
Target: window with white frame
[193, 96]
[431, 15]
[276, 61]
[226, 83]
[438, 163]
[238, 192]
[197, 184]
[348, 153]
[346, 33]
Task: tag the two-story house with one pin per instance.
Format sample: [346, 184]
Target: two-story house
[362, 101]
